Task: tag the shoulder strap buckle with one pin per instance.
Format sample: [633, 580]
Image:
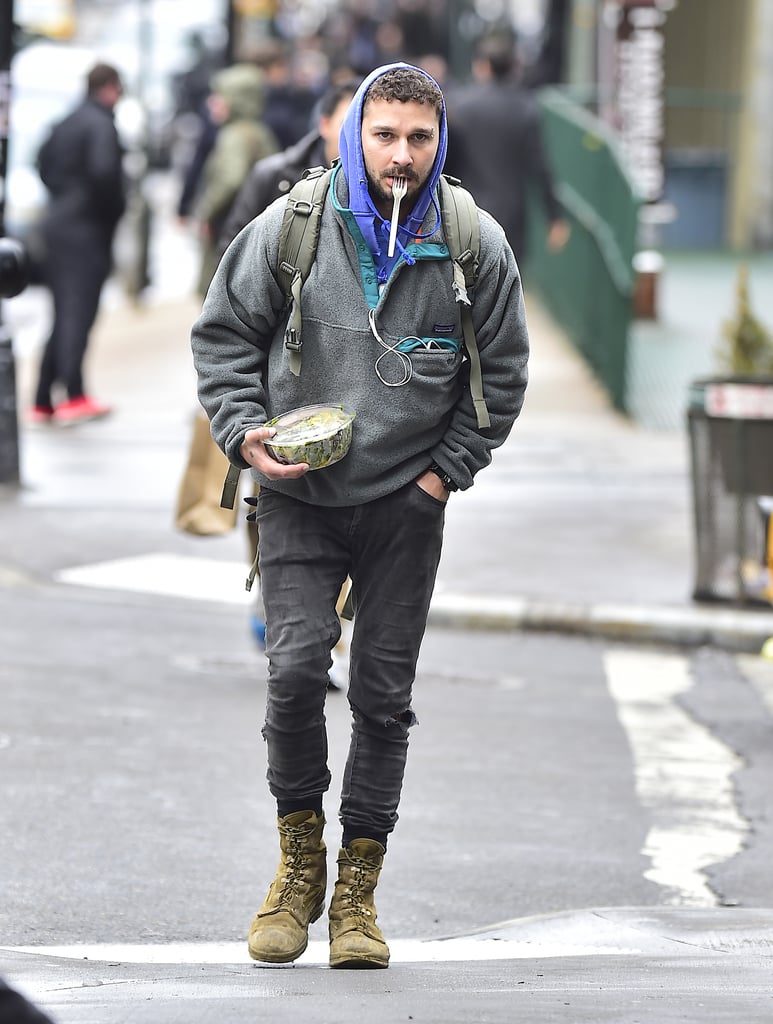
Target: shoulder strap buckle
[298, 241]
[302, 207]
[293, 342]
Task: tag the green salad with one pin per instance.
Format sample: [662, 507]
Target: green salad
[317, 434]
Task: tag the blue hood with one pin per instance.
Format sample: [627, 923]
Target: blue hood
[375, 229]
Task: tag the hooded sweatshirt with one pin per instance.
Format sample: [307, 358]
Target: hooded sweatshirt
[375, 229]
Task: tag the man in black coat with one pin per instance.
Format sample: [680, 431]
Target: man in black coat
[275, 175]
[81, 166]
[495, 146]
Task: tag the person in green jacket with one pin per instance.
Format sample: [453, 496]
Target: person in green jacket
[236, 105]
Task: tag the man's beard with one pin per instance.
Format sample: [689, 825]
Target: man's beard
[383, 193]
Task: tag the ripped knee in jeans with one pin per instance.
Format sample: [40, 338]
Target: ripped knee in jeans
[406, 719]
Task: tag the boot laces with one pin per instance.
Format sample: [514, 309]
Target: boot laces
[358, 889]
[295, 862]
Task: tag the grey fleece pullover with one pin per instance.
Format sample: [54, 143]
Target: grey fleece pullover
[398, 431]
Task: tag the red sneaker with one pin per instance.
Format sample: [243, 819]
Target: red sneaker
[79, 410]
[39, 415]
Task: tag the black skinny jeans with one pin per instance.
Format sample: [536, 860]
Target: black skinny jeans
[391, 549]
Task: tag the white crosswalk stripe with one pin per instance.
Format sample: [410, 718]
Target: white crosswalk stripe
[684, 775]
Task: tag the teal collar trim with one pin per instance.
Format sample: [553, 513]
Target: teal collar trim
[367, 266]
[368, 274]
[428, 250]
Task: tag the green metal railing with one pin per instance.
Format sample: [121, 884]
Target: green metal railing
[588, 286]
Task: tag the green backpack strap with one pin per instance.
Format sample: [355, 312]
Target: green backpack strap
[230, 487]
[461, 228]
[298, 239]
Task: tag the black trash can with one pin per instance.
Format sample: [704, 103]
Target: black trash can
[730, 421]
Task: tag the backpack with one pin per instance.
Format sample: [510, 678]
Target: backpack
[49, 159]
[298, 240]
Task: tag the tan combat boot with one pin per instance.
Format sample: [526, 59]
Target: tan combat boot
[279, 932]
[355, 938]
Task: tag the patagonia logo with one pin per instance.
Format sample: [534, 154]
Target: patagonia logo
[443, 328]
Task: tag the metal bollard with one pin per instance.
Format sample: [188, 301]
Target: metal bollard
[9, 426]
[14, 268]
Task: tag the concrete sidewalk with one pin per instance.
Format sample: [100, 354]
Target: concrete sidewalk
[583, 523]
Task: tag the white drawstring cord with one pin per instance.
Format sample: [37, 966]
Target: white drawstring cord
[406, 362]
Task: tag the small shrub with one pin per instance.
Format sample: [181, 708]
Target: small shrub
[748, 346]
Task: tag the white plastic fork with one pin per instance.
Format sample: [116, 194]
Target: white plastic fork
[399, 188]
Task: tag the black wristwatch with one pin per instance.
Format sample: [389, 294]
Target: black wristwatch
[445, 479]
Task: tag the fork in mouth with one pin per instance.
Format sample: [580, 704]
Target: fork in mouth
[399, 189]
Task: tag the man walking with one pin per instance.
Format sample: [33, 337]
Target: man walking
[81, 166]
[498, 150]
[382, 333]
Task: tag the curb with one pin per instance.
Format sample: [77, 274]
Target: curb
[727, 628]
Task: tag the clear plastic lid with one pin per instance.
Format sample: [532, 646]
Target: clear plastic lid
[309, 423]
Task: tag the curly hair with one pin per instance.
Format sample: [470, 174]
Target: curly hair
[406, 85]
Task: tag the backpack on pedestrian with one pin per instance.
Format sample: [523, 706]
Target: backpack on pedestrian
[50, 160]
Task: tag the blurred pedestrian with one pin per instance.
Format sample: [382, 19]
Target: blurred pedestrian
[376, 515]
[206, 134]
[80, 163]
[425, 26]
[191, 87]
[497, 149]
[193, 122]
[437, 66]
[289, 102]
[275, 175]
[236, 105]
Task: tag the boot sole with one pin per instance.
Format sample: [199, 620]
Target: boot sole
[286, 958]
[362, 963]
[358, 965]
